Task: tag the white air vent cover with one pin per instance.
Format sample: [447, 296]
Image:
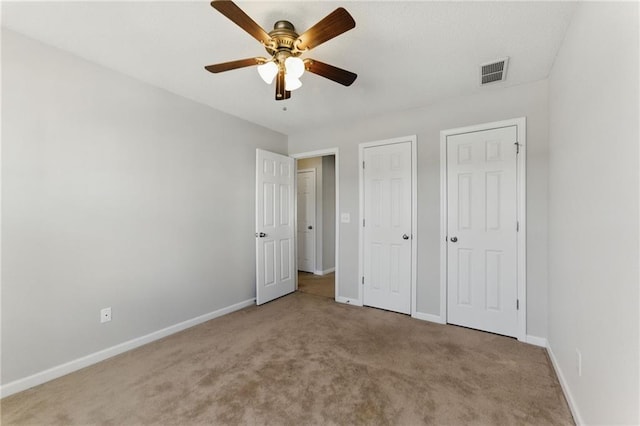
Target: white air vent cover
[493, 71]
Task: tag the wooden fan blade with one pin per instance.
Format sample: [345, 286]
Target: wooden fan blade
[344, 77]
[241, 19]
[332, 25]
[232, 65]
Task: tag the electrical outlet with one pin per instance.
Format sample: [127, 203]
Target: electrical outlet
[105, 315]
[579, 362]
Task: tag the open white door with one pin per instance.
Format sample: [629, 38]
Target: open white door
[275, 248]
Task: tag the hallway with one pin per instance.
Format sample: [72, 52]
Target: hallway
[320, 285]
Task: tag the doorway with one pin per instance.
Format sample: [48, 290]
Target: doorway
[317, 227]
[306, 224]
[483, 225]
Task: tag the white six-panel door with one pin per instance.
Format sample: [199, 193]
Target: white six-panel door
[387, 230]
[307, 220]
[275, 248]
[482, 287]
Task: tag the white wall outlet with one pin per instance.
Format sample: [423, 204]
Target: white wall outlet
[105, 315]
[345, 217]
[579, 362]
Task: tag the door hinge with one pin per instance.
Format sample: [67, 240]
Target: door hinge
[363, 280]
[517, 144]
[517, 304]
[363, 223]
[363, 164]
[517, 226]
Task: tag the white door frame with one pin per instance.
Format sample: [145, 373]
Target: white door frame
[315, 215]
[321, 153]
[521, 197]
[414, 214]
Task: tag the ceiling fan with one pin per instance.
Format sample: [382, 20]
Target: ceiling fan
[285, 47]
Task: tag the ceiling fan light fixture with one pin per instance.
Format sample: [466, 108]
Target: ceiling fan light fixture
[284, 46]
[294, 66]
[291, 83]
[268, 71]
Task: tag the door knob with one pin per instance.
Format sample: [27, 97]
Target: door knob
[454, 239]
[405, 237]
[261, 234]
[309, 227]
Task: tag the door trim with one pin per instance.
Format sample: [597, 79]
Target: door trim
[521, 197]
[321, 153]
[414, 214]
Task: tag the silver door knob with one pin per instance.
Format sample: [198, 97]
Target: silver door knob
[405, 237]
[261, 234]
[454, 239]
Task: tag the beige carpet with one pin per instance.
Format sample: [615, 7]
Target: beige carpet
[320, 285]
[303, 360]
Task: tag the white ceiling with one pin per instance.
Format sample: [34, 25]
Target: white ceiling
[406, 54]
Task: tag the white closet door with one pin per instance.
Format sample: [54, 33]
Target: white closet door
[387, 228]
[482, 240]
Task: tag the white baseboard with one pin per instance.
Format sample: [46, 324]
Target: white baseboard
[428, 317]
[535, 340]
[85, 361]
[346, 300]
[325, 272]
[565, 388]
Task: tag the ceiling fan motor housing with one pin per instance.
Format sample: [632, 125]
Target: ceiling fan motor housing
[283, 38]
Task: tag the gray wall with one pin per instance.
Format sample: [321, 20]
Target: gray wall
[487, 105]
[329, 212]
[115, 193]
[593, 212]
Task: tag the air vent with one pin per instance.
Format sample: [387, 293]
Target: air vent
[493, 71]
